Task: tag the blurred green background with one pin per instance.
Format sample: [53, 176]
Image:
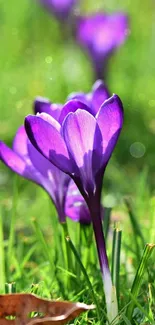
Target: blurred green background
[36, 59]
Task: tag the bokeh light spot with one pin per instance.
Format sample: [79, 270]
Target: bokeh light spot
[137, 150]
[48, 59]
[109, 201]
[152, 102]
[13, 90]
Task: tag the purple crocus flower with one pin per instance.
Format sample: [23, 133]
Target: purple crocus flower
[100, 34]
[81, 145]
[60, 8]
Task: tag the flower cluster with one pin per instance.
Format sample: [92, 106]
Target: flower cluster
[80, 144]
[100, 34]
[65, 148]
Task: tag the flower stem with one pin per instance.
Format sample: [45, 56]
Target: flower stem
[110, 293]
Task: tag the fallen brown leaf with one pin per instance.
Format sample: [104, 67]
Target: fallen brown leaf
[19, 306]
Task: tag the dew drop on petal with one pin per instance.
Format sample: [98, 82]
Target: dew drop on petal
[77, 204]
[137, 149]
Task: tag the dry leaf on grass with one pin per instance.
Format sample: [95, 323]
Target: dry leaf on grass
[19, 306]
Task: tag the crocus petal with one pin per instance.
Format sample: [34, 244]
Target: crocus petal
[46, 168]
[111, 33]
[101, 33]
[43, 105]
[12, 159]
[99, 94]
[51, 120]
[54, 181]
[82, 97]
[20, 147]
[86, 29]
[17, 159]
[83, 139]
[20, 142]
[110, 121]
[47, 139]
[118, 28]
[71, 106]
[42, 164]
[95, 98]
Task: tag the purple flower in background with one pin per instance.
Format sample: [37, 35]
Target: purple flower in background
[76, 207]
[60, 8]
[80, 145]
[26, 161]
[100, 34]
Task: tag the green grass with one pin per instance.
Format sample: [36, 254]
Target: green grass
[36, 262]
[35, 60]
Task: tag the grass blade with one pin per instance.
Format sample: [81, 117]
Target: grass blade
[45, 248]
[69, 262]
[135, 224]
[126, 321]
[78, 259]
[10, 287]
[139, 277]
[106, 222]
[115, 270]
